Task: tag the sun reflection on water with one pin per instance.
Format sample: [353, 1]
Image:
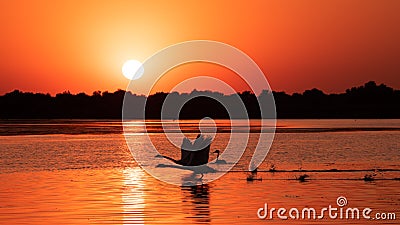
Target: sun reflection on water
[133, 196]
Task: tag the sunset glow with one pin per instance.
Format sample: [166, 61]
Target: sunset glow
[199, 112]
[54, 46]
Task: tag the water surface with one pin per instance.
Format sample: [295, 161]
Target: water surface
[81, 172]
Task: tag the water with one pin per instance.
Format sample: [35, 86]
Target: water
[81, 172]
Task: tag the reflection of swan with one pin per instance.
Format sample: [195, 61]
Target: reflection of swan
[219, 161]
[199, 203]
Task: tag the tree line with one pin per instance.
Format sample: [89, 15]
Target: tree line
[367, 101]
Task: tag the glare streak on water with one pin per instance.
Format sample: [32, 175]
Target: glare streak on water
[92, 178]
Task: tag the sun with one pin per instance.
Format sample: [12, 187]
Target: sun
[132, 69]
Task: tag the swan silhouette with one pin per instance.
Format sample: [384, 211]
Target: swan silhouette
[193, 154]
[219, 161]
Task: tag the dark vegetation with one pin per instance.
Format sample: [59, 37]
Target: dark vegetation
[367, 101]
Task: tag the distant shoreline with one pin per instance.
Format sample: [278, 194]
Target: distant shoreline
[370, 101]
[18, 127]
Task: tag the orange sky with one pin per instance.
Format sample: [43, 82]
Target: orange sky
[52, 46]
